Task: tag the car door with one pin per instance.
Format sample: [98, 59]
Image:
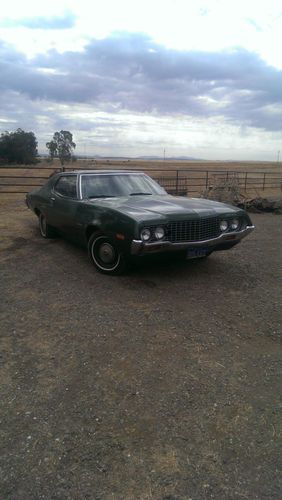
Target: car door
[64, 206]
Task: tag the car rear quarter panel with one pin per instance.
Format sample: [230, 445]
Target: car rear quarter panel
[38, 199]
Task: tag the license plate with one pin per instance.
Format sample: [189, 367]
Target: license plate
[196, 253]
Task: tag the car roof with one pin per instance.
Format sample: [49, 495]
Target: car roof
[102, 172]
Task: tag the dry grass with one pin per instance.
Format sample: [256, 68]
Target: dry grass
[159, 165]
[194, 177]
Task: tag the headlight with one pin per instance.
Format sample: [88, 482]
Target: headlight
[235, 224]
[223, 225]
[145, 234]
[159, 233]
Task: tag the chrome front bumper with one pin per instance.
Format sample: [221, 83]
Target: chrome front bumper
[139, 247]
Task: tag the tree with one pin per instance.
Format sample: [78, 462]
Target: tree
[18, 147]
[61, 146]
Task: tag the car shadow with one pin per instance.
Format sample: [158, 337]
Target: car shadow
[155, 270]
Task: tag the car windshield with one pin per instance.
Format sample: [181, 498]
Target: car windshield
[112, 185]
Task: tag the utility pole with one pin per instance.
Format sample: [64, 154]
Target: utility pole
[278, 154]
[164, 154]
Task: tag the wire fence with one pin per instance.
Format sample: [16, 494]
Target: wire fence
[20, 180]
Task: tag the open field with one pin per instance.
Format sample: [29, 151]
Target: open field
[254, 178]
[160, 165]
[163, 384]
[182, 164]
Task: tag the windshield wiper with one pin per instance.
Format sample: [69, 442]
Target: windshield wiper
[101, 196]
[139, 194]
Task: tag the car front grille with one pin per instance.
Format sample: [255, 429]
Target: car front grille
[193, 230]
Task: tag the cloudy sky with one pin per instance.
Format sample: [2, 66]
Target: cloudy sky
[200, 78]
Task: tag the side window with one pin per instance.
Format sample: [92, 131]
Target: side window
[66, 186]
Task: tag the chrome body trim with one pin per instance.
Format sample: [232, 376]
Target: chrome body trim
[139, 247]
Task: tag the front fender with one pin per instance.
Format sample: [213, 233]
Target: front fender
[120, 228]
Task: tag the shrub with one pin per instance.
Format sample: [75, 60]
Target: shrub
[18, 147]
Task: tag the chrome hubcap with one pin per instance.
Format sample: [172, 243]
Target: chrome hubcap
[106, 253]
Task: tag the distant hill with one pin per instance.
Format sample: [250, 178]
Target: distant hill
[167, 158]
[147, 158]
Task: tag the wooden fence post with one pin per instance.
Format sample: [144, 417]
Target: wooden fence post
[246, 175]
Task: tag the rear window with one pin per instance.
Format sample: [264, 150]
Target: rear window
[66, 186]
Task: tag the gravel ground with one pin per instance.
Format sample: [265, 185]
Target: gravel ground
[162, 384]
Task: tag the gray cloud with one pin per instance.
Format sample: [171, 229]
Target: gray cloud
[65, 21]
[130, 72]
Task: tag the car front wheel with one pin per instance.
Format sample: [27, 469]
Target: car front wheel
[105, 255]
[46, 230]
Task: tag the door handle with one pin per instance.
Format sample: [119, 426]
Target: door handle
[52, 198]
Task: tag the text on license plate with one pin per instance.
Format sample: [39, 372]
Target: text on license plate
[196, 253]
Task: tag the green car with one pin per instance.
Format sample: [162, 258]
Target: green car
[120, 215]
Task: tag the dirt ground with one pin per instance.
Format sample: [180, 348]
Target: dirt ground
[162, 384]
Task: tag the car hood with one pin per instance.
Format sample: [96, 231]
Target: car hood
[165, 207]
